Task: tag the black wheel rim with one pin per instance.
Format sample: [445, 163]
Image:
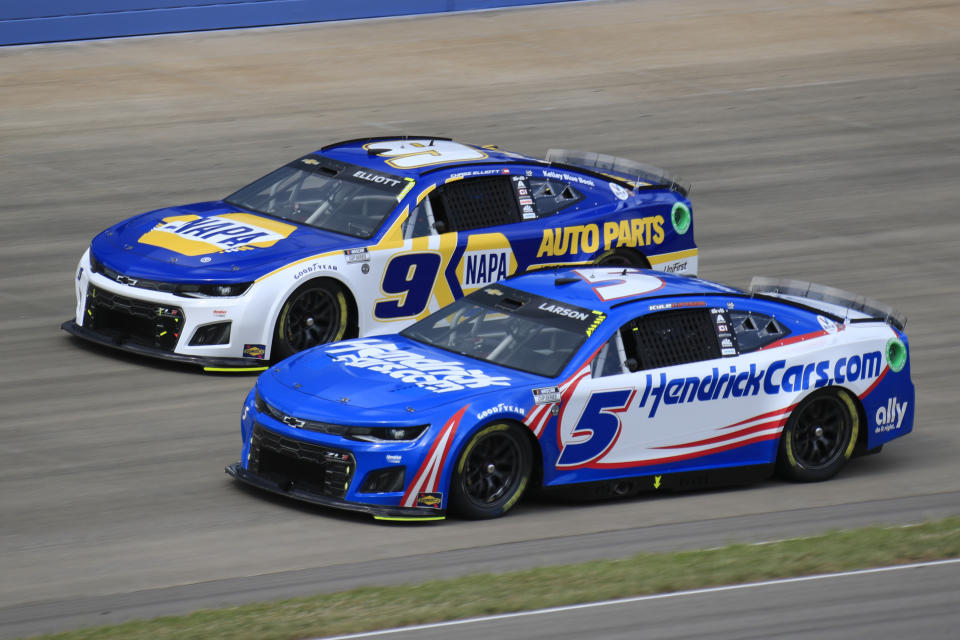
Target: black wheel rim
[313, 318]
[821, 432]
[492, 469]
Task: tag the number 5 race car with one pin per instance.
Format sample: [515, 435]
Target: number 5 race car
[362, 238]
[603, 381]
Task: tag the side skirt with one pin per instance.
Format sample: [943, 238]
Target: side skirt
[682, 481]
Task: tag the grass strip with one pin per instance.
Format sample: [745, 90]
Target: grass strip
[372, 608]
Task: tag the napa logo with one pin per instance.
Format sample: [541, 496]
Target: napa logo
[481, 268]
[192, 235]
[486, 259]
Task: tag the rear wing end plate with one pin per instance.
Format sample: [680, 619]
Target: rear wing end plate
[635, 175]
[844, 304]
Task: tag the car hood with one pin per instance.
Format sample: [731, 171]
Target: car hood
[382, 378]
[209, 241]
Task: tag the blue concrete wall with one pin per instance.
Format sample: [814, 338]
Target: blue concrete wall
[31, 21]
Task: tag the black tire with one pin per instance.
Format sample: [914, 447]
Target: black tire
[314, 314]
[492, 472]
[622, 258]
[820, 436]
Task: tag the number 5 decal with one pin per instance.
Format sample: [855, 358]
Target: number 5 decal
[409, 279]
[613, 285]
[601, 426]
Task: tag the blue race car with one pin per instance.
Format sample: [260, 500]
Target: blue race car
[604, 381]
[361, 238]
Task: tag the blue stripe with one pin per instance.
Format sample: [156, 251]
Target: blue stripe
[33, 21]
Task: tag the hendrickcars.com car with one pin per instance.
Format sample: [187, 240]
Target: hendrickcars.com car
[601, 381]
[361, 238]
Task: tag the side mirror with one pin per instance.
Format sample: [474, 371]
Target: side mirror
[632, 365]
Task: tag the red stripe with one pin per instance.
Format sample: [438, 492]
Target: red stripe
[761, 416]
[728, 436]
[794, 339]
[573, 381]
[875, 383]
[540, 421]
[451, 427]
[687, 456]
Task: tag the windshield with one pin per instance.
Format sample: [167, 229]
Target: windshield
[329, 195]
[509, 327]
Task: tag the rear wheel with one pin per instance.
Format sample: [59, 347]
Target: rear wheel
[314, 314]
[819, 437]
[623, 258]
[492, 472]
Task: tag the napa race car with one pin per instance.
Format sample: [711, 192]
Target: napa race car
[601, 382]
[362, 238]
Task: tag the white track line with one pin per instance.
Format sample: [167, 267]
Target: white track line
[656, 596]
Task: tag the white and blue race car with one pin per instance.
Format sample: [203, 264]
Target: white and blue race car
[361, 238]
[600, 381]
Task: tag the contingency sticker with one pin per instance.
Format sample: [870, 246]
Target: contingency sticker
[546, 395]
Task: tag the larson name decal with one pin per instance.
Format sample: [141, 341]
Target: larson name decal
[563, 311]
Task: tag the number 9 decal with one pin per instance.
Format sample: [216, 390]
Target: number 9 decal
[409, 279]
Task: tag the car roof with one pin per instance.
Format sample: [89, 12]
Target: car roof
[363, 152]
[608, 288]
[415, 156]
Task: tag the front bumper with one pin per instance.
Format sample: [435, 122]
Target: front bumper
[213, 364]
[291, 490]
[162, 325]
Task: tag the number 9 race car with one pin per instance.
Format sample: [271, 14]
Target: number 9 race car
[604, 382]
[362, 238]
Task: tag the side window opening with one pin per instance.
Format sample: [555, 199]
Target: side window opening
[550, 196]
[755, 330]
[420, 222]
[670, 338]
[611, 360]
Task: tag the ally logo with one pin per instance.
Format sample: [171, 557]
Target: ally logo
[890, 416]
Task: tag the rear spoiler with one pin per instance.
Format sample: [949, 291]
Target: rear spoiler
[636, 175]
[842, 302]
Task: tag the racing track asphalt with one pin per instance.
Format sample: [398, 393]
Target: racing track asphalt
[822, 142]
[888, 603]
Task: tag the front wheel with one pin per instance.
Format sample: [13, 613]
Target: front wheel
[492, 472]
[314, 314]
[819, 437]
